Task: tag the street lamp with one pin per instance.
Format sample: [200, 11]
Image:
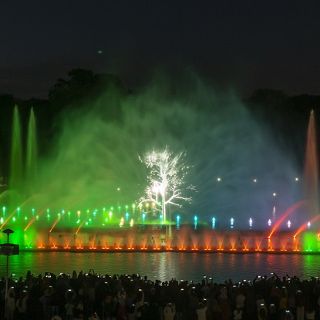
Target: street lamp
[8, 249]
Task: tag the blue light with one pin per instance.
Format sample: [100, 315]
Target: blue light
[195, 222]
[178, 222]
[231, 223]
[213, 222]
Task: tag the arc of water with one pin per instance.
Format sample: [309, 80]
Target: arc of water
[29, 224]
[287, 213]
[56, 221]
[80, 226]
[304, 226]
[14, 212]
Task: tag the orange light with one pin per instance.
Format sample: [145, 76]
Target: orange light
[105, 248]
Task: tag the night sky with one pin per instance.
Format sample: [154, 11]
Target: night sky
[240, 44]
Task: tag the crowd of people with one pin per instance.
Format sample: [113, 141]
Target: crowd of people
[127, 297]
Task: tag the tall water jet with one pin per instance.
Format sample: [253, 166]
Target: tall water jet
[311, 169]
[32, 148]
[15, 177]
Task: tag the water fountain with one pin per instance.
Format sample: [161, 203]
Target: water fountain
[39, 225]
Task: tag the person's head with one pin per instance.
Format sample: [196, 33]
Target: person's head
[288, 315]
[262, 313]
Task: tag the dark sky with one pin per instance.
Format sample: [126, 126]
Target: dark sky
[242, 44]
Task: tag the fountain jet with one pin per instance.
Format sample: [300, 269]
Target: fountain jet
[311, 188]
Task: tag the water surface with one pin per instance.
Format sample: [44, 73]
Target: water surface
[167, 265]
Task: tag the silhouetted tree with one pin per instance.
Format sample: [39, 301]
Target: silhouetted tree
[82, 86]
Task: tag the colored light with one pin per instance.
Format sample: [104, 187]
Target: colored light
[250, 222]
[231, 223]
[309, 224]
[218, 179]
[289, 224]
[195, 222]
[213, 222]
[269, 222]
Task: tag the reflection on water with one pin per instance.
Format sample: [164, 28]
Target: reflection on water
[164, 266]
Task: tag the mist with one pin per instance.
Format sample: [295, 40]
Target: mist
[95, 160]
